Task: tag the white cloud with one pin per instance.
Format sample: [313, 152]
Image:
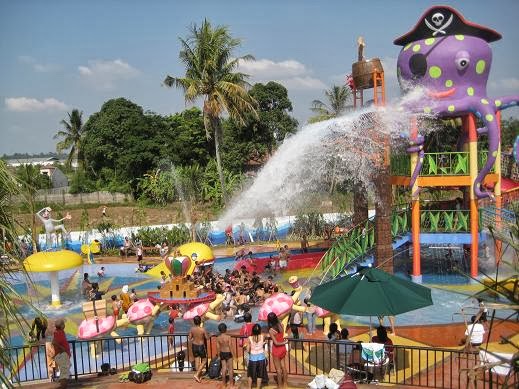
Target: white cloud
[105, 74]
[36, 66]
[291, 73]
[27, 104]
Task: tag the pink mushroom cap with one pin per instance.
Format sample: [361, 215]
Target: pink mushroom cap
[197, 310]
[279, 303]
[88, 330]
[140, 311]
[321, 312]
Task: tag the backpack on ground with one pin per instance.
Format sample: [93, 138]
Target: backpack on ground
[215, 366]
[140, 373]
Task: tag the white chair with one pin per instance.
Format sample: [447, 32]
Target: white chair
[375, 360]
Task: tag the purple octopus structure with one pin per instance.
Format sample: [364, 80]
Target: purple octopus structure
[450, 58]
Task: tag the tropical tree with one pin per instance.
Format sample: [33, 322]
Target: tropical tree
[207, 54]
[9, 299]
[338, 97]
[72, 134]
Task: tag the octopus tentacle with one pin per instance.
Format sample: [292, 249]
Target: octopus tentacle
[488, 117]
[506, 102]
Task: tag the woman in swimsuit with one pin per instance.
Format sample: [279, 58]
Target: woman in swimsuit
[279, 349]
[224, 350]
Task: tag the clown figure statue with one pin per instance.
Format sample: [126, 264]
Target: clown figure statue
[50, 227]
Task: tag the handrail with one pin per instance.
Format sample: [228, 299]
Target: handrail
[430, 367]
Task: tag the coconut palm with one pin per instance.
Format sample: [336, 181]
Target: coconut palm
[72, 135]
[10, 251]
[207, 54]
[338, 97]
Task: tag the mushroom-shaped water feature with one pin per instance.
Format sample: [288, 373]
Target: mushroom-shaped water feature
[328, 317]
[141, 313]
[52, 262]
[205, 310]
[281, 304]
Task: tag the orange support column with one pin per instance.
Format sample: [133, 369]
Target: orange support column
[415, 211]
[469, 125]
[497, 193]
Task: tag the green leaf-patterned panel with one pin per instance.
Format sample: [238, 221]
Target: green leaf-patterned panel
[435, 219]
[431, 162]
[463, 221]
[462, 164]
[448, 217]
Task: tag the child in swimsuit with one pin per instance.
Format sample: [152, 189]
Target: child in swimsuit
[224, 349]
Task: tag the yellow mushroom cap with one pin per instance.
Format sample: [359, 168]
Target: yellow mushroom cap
[45, 261]
[203, 252]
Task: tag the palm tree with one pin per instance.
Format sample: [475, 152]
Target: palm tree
[338, 97]
[72, 134]
[210, 73]
[9, 299]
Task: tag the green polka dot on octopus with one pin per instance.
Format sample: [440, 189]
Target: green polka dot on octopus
[460, 37]
[448, 83]
[498, 103]
[416, 48]
[480, 66]
[427, 109]
[489, 117]
[494, 154]
[451, 108]
[484, 101]
[429, 41]
[435, 72]
[470, 91]
[407, 46]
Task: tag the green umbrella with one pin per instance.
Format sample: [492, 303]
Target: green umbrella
[371, 292]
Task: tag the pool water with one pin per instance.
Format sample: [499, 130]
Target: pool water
[448, 292]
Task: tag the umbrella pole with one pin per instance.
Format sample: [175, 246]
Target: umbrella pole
[369, 329]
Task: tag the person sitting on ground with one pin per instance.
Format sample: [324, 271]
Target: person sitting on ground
[224, 351]
[95, 293]
[474, 333]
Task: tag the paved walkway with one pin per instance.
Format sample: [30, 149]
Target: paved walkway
[173, 381]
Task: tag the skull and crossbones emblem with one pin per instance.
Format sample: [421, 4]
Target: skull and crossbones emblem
[437, 19]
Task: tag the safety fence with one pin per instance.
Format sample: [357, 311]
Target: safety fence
[438, 164]
[405, 365]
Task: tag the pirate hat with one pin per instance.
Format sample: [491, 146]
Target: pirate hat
[442, 20]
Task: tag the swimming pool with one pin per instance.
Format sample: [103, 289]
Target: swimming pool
[446, 309]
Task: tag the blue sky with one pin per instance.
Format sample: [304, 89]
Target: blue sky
[60, 55]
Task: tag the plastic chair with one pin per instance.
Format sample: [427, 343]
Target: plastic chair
[375, 360]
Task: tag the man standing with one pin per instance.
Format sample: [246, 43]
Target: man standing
[198, 338]
[61, 352]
